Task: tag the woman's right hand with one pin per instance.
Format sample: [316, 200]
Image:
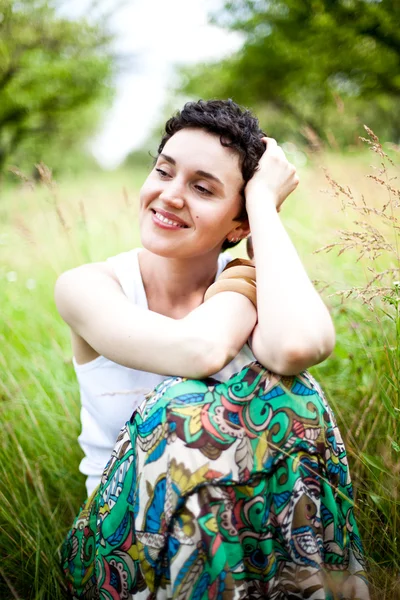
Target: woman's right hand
[275, 176]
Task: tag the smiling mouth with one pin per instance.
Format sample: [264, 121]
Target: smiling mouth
[166, 221]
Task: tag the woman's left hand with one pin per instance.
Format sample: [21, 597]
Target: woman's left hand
[275, 175]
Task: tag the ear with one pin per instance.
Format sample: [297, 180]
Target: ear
[240, 232]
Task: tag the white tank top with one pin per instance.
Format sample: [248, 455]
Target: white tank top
[111, 392]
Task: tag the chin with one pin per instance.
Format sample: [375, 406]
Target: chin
[170, 249]
[161, 247]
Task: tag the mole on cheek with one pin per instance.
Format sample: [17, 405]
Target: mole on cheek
[197, 216]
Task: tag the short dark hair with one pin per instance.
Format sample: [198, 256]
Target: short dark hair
[237, 128]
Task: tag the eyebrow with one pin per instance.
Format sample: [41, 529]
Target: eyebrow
[205, 174]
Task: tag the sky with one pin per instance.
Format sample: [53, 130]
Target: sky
[158, 34]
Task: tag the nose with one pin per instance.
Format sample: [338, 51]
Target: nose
[173, 194]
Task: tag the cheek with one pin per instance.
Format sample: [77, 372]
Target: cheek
[144, 196]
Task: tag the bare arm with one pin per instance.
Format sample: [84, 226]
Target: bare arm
[196, 346]
[294, 329]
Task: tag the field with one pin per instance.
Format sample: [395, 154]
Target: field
[48, 228]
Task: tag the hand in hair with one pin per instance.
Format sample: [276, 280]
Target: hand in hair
[275, 175]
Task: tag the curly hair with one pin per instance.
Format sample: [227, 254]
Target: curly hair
[237, 128]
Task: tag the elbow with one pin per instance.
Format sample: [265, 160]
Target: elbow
[293, 357]
[213, 358]
[298, 358]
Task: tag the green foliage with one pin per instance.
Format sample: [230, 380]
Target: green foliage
[362, 377]
[55, 78]
[310, 68]
[362, 382]
[139, 158]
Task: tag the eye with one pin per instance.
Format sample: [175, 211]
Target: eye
[203, 190]
[162, 173]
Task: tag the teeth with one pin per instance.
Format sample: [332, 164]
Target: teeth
[168, 221]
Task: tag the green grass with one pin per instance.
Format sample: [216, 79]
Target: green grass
[49, 230]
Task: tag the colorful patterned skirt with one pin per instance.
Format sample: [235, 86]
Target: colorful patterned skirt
[224, 490]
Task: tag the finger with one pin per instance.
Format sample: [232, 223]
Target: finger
[270, 142]
[273, 149]
[281, 152]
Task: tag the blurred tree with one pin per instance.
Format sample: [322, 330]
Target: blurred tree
[55, 76]
[305, 62]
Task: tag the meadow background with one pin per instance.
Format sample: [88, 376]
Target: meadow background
[66, 210]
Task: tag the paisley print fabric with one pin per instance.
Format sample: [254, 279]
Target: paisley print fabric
[224, 490]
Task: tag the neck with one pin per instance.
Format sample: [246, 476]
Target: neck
[176, 285]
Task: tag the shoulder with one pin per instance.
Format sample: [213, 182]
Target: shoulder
[82, 272]
[104, 269]
[72, 285]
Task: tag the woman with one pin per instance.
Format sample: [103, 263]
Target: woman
[234, 486]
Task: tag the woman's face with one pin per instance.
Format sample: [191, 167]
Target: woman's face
[189, 202]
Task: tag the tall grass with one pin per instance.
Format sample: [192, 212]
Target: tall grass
[363, 376]
[49, 228]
